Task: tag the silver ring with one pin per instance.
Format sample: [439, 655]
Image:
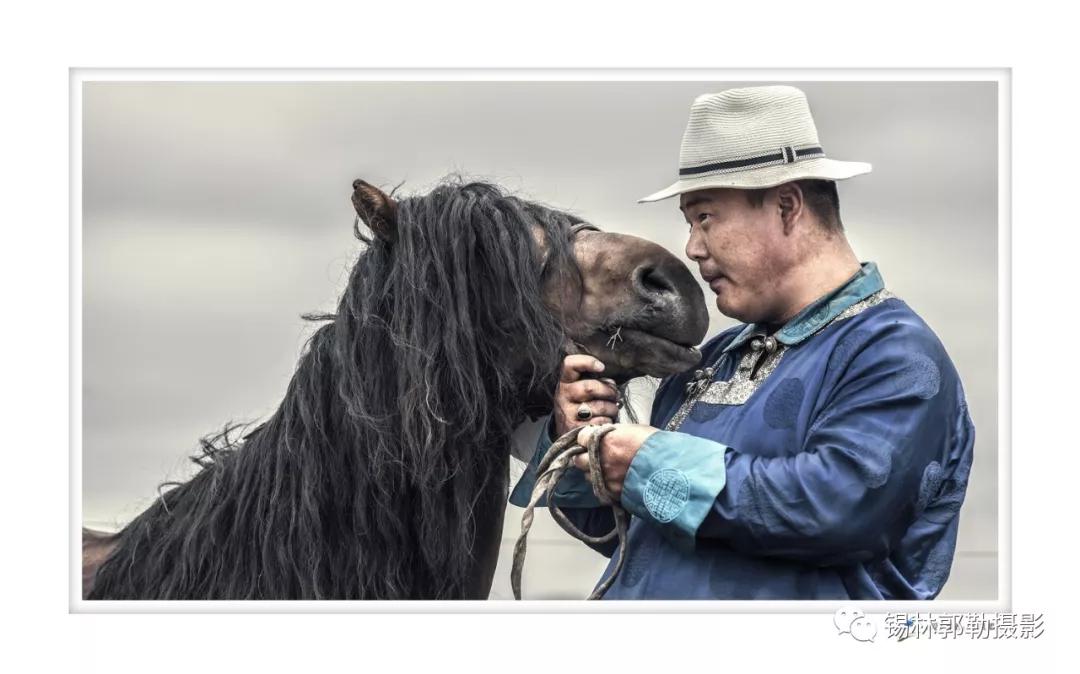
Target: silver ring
[584, 412]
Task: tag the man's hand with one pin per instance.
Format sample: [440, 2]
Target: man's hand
[617, 449]
[600, 395]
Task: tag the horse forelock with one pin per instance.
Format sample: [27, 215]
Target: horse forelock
[388, 455]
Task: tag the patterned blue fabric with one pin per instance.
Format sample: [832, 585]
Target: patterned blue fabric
[673, 482]
[841, 476]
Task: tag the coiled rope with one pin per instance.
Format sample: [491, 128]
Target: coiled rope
[557, 460]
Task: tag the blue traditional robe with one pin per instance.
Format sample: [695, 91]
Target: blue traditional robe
[826, 461]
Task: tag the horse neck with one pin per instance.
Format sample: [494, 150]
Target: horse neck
[318, 504]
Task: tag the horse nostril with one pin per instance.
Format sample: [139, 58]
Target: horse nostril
[652, 281]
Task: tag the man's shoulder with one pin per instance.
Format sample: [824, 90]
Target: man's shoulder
[892, 318]
[890, 329]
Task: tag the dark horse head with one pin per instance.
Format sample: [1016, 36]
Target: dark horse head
[382, 475]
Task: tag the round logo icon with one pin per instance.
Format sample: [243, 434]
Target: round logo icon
[666, 494]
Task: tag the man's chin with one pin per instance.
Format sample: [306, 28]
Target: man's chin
[730, 311]
[742, 314]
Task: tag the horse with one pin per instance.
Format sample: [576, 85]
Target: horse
[383, 472]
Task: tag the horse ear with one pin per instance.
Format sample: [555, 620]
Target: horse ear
[376, 209]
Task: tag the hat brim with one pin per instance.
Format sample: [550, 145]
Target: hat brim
[821, 168]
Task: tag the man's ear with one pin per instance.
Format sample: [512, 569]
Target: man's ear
[376, 209]
[789, 198]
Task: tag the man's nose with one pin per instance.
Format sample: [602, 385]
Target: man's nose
[695, 247]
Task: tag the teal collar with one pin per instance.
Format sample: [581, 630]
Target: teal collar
[821, 312]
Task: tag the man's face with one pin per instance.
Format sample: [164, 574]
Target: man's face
[740, 249]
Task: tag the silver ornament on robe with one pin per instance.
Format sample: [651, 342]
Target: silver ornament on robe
[700, 381]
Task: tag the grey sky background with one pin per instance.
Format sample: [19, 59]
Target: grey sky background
[214, 214]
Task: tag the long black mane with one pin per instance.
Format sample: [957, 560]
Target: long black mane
[390, 448]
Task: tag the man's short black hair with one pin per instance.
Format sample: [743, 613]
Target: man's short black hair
[820, 197]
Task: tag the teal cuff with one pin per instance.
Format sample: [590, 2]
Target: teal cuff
[573, 490]
[673, 482]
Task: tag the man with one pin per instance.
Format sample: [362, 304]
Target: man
[823, 449]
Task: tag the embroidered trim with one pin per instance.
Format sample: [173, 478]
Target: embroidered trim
[740, 387]
[862, 305]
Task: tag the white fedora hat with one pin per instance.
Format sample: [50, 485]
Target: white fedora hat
[752, 138]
